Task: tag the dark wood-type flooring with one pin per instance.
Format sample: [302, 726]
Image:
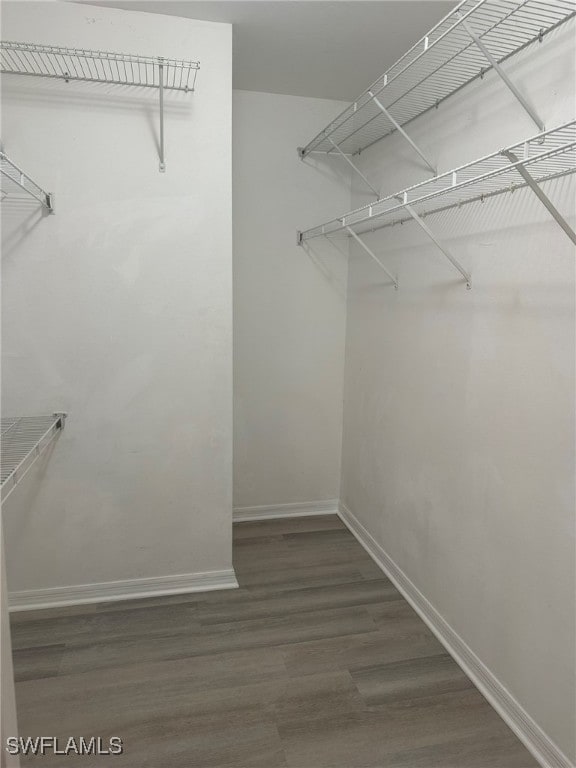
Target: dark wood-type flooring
[315, 661]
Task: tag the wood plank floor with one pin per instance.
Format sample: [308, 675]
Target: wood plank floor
[316, 661]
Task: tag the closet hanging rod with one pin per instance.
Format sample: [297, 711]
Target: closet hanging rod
[13, 179]
[450, 56]
[547, 155]
[23, 440]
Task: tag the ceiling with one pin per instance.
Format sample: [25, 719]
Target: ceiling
[322, 48]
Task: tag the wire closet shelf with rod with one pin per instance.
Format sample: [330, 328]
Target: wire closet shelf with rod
[478, 35]
[546, 156]
[23, 58]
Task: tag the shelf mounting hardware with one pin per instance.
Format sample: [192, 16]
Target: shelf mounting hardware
[540, 194]
[496, 66]
[371, 253]
[455, 263]
[401, 130]
[355, 167]
[61, 416]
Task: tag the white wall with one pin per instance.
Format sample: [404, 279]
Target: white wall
[459, 405]
[118, 309]
[8, 719]
[289, 305]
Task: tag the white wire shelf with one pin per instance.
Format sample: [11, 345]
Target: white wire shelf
[97, 66]
[23, 440]
[18, 58]
[547, 155]
[438, 65]
[14, 182]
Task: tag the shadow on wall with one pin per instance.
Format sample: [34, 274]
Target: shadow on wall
[333, 170]
[102, 98]
[323, 263]
[94, 96]
[20, 512]
[556, 302]
[19, 218]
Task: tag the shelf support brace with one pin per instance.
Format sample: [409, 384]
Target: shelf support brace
[531, 112]
[541, 195]
[161, 96]
[401, 130]
[46, 199]
[455, 263]
[358, 171]
[373, 255]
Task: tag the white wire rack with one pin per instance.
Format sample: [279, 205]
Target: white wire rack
[547, 155]
[14, 182]
[97, 66]
[23, 439]
[439, 64]
[18, 58]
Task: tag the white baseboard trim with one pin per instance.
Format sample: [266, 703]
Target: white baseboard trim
[528, 731]
[273, 511]
[128, 589]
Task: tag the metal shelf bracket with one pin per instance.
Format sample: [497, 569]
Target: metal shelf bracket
[161, 100]
[455, 263]
[371, 253]
[401, 130]
[355, 167]
[540, 194]
[15, 179]
[502, 74]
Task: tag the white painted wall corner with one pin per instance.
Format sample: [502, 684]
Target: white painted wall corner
[513, 714]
